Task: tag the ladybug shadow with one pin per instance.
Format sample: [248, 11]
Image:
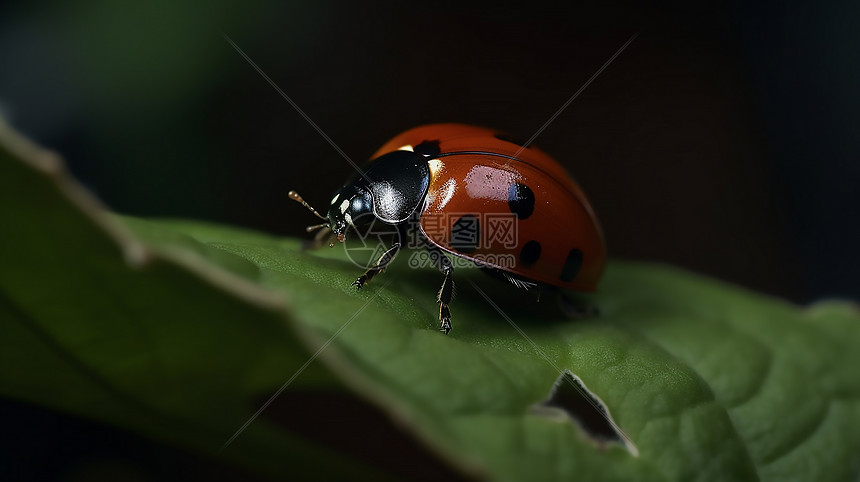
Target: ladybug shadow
[485, 303]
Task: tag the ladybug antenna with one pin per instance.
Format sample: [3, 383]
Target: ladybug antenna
[295, 197]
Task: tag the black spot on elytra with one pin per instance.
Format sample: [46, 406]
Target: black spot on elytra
[521, 200]
[466, 234]
[571, 265]
[530, 253]
[512, 140]
[428, 148]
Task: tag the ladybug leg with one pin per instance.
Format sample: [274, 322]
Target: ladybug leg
[383, 261]
[379, 267]
[446, 292]
[444, 297]
[323, 237]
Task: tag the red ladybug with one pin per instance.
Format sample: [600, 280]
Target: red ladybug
[479, 195]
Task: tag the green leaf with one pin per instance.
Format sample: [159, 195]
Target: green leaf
[181, 330]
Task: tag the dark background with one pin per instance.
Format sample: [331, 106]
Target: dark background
[722, 140]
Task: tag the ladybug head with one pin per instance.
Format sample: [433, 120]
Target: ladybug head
[350, 205]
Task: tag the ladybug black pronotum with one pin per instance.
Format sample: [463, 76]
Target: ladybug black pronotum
[439, 179]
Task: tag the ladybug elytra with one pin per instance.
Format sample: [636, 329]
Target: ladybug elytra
[476, 194]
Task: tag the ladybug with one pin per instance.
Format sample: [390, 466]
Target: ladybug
[479, 195]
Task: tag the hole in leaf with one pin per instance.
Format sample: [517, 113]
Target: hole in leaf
[571, 400]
